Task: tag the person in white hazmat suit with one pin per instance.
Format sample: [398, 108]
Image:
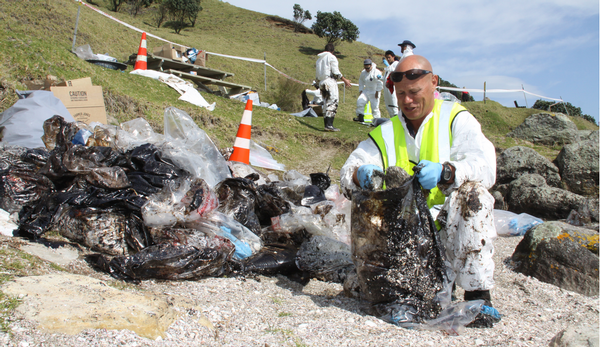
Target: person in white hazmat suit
[327, 75]
[370, 84]
[406, 48]
[389, 95]
[452, 159]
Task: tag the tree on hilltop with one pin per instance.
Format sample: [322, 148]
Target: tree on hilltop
[179, 11]
[300, 16]
[335, 28]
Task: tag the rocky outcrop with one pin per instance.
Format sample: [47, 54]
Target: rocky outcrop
[547, 129]
[517, 161]
[583, 335]
[578, 165]
[560, 254]
[531, 194]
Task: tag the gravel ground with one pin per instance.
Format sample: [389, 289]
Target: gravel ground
[274, 311]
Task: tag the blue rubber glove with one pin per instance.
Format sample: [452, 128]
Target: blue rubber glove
[366, 179]
[428, 173]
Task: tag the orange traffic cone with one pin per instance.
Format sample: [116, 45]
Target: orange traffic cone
[241, 146]
[141, 62]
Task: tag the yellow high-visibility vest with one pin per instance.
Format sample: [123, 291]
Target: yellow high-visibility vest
[390, 138]
[368, 117]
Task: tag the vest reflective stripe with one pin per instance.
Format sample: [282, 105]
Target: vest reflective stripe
[435, 145]
[368, 116]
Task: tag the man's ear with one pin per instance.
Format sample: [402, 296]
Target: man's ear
[435, 80]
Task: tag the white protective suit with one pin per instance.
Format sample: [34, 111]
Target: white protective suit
[407, 52]
[468, 240]
[369, 83]
[327, 75]
[391, 102]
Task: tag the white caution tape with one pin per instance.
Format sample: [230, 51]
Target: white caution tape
[497, 91]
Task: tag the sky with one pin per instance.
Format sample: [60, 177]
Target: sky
[547, 47]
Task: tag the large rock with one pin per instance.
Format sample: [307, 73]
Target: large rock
[560, 254]
[578, 165]
[531, 194]
[583, 335]
[547, 129]
[517, 161]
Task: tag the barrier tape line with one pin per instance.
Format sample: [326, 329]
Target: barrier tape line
[497, 91]
[261, 61]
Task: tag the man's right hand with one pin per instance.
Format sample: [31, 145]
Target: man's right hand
[346, 82]
[369, 177]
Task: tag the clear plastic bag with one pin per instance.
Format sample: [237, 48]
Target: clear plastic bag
[246, 242]
[191, 148]
[262, 158]
[452, 319]
[136, 132]
[179, 202]
[512, 224]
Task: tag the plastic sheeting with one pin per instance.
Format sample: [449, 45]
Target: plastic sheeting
[187, 89]
[22, 123]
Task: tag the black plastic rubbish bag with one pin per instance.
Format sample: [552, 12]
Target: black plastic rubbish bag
[185, 254]
[270, 203]
[272, 259]
[20, 184]
[237, 199]
[397, 253]
[101, 230]
[150, 171]
[321, 180]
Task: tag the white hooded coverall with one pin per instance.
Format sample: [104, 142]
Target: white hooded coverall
[391, 102]
[369, 83]
[468, 239]
[328, 73]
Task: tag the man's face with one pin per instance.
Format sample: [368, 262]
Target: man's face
[368, 68]
[402, 48]
[389, 58]
[416, 98]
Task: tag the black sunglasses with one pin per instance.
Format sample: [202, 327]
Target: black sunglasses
[410, 74]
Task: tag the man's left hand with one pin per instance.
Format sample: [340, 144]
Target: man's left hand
[428, 173]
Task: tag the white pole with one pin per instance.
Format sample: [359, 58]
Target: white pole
[265, 71]
[525, 96]
[76, 24]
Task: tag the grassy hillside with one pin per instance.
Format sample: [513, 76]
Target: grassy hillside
[36, 40]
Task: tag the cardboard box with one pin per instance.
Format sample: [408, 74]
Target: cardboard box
[42, 85]
[83, 100]
[81, 82]
[170, 51]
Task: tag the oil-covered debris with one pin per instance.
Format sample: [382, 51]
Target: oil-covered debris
[325, 258]
[136, 198]
[397, 253]
[272, 259]
[183, 254]
[21, 185]
[237, 198]
[320, 180]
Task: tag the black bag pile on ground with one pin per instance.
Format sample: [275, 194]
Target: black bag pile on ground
[98, 204]
[94, 195]
[397, 253]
